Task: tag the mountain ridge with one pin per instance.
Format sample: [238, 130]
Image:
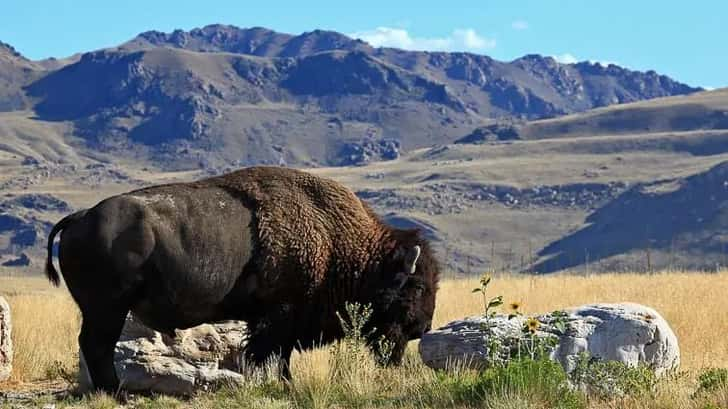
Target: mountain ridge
[221, 96]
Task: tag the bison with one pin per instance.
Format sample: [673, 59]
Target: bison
[281, 249]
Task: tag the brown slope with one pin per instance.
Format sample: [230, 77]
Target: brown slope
[706, 110]
[679, 221]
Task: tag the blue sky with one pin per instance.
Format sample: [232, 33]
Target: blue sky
[686, 40]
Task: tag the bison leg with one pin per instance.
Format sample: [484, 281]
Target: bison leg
[270, 340]
[100, 331]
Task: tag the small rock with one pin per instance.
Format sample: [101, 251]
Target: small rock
[6, 343]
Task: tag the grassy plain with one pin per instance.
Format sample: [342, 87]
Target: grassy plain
[46, 324]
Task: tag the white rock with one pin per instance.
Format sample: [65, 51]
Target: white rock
[6, 343]
[626, 332]
[200, 358]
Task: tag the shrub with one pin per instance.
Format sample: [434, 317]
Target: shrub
[541, 380]
[607, 379]
[713, 379]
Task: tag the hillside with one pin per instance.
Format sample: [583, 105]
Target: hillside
[664, 223]
[707, 110]
[221, 96]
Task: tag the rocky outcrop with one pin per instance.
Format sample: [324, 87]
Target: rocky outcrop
[197, 359]
[366, 151]
[256, 41]
[490, 133]
[629, 333]
[6, 343]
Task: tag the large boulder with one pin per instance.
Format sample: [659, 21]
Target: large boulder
[200, 358]
[629, 333]
[6, 343]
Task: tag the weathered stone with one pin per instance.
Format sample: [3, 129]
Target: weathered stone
[368, 150]
[200, 358]
[628, 333]
[6, 343]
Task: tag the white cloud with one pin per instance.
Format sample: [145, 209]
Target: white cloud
[519, 25]
[566, 58]
[460, 39]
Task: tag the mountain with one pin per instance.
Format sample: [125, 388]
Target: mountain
[185, 106]
[222, 96]
[531, 86]
[16, 71]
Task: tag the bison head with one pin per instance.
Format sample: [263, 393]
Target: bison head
[404, 300]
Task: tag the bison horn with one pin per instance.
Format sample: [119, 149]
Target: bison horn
[411, 259]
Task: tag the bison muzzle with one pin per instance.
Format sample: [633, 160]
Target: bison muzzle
[279, 248]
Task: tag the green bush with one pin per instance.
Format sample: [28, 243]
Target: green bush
[713, 379]
[607, 379]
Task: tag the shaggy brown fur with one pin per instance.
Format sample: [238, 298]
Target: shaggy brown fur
[313, 223]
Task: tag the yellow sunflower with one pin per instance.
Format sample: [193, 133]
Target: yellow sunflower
[515, 306]
[532, 325]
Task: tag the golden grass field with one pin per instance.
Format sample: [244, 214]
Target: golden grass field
[46, 321]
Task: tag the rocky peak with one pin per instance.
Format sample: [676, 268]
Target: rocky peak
[535, 63]
[253, 41]
[321, 40]
[7, 49]
[216, 38]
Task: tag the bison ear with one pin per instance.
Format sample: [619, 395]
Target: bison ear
[410, 259]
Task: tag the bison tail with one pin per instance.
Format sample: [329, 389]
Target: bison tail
[50, 270]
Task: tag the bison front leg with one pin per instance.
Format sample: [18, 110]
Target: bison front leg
[268, 341]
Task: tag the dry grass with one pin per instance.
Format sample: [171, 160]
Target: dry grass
[46, 324]
[46, 321]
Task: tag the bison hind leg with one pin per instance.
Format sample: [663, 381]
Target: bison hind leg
[100, 330]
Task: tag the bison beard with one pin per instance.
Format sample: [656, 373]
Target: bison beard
[281, 249]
